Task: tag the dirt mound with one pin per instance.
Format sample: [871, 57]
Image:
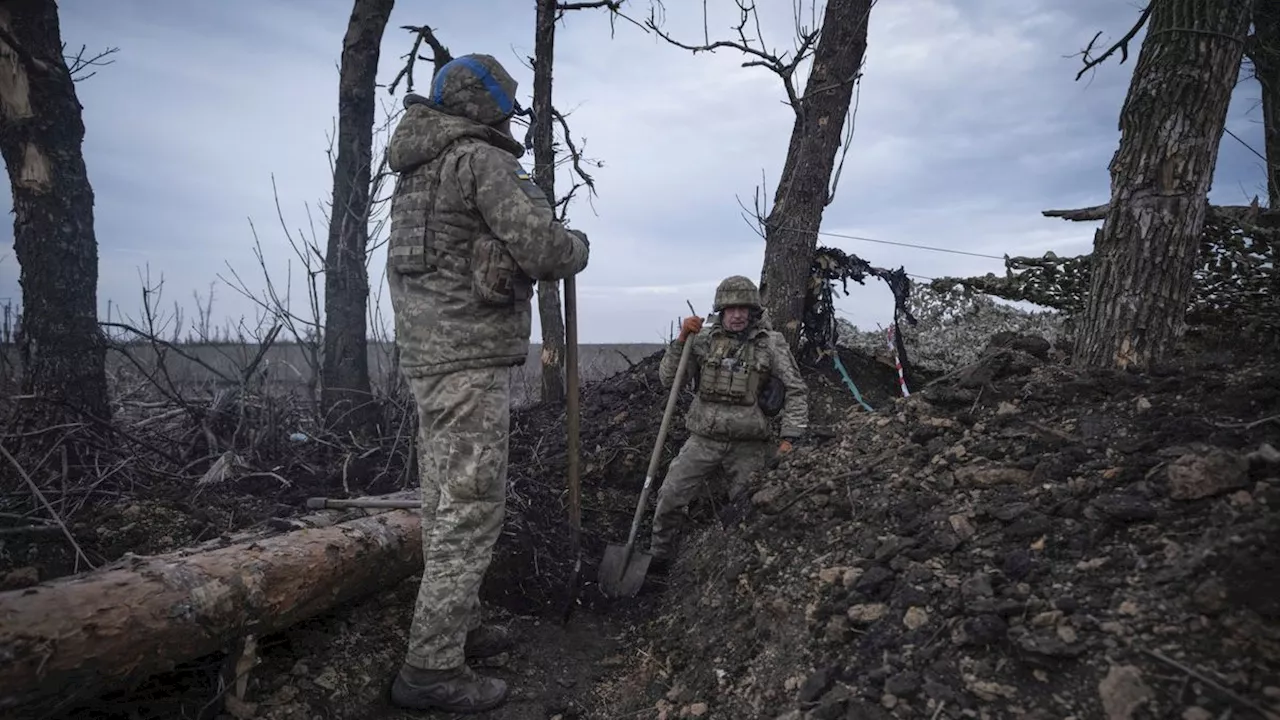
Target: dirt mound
[621, 416]
[1019, 539]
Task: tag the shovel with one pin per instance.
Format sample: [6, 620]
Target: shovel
[623, 569]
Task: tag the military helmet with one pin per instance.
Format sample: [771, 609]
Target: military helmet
[736, 290]
[475, 87]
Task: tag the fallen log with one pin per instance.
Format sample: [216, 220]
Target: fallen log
[70, 639]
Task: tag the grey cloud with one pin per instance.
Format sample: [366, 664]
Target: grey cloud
[970, 124]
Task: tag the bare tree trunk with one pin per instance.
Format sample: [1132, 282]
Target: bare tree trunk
[1264, 51]
[41, 136]
[802, 193]
[1171, 126]
[544, 174]
[345, 389]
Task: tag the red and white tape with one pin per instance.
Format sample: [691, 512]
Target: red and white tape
[897, 362]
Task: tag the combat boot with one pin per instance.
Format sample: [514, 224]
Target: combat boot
[459, 690]
[487, 641]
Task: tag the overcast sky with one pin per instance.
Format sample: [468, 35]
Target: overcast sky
[970, 123]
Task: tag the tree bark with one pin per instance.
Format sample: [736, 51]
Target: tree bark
[62, 348]
[1171, 126]
[550, 314]
[1264, 51]
[802, 193]
[68, 640]
[345, 389]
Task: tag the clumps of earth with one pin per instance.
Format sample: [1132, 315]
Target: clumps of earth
[1017, 539]
[620, 419]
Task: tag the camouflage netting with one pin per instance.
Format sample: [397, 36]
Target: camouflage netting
[1237, 285]
[953, 327]
[832, 265]
[945, 329]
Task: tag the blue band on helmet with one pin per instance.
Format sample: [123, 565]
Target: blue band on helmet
[504, 101]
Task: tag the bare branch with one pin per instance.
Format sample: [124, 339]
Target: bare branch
[79, 62]
[851, 120]
[1250, 217]
[778, 64]
[613, 5]
[440, 56]
[1122, 45]
[1097, 212]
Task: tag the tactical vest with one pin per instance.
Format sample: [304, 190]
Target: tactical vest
[423, 249]
[732, 372]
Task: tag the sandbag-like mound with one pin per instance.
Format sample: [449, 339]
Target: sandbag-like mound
[1019, 539]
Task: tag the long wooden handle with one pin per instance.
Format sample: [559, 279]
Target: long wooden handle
[656, 456]
[572, 406]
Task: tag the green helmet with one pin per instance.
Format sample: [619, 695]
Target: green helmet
[476, 87]
[736, 290]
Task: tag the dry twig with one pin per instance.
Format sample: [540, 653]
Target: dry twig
[35, 489]
[1121, 45]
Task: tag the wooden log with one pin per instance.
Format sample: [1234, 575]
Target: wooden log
[1247, 214]
[72, 638]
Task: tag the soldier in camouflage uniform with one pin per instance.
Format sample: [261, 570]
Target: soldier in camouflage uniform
[470, 233]
[736, 359]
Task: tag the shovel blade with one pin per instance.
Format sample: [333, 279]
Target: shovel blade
[622, 571]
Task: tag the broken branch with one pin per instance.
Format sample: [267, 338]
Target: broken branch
[1122, 45]
[440, 56]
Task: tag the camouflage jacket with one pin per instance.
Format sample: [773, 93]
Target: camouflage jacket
[736, 415]
[470, 233]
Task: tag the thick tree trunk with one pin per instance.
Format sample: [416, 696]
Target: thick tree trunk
[1264, 51]
[550, 314]
[65, 641]
[802, 193]
[1171, 126]
[345, 390]
[41, 135]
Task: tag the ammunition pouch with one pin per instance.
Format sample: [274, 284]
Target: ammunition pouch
[496, 279]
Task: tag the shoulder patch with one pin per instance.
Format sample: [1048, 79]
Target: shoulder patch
[530, 188]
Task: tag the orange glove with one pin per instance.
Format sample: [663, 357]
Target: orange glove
[784, 447]
[690, 326]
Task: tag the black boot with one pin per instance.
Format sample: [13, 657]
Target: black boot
[459, 690]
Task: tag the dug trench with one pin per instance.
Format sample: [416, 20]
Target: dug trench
[1017, 539]
[339, 664]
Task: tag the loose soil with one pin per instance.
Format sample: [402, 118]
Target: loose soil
[1014, 539]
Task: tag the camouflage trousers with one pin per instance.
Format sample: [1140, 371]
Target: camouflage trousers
[697, 460]
[464, 420]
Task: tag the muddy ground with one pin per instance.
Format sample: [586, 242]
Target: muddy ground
[339, 665]
[1018, 539]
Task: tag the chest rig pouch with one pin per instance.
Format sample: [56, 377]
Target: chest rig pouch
[732, 372]
[413, 248]
[496, 279]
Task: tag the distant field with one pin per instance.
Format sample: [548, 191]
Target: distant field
[286, 366]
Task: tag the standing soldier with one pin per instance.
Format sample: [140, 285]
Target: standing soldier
[743, 367]
[470, 233]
